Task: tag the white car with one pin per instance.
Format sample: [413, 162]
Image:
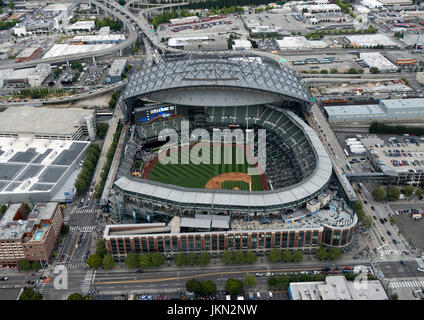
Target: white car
[420, 269]
[270, 294]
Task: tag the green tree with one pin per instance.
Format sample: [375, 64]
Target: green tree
[286, 256]
[324, 71]
[64, 229]
[144, 260]
[250, 280]
[227, 257]
[393, 193]
[333, 253]
[94, 261]
[131, 261]
[208, 287]
[378, 193]
[321, 253]
[395, 296]
[24, 265]
[11, 5]
[204, 258]
[392, 220]
[297, 256]
[272, 281]
[283, 281]
[239, 257]
[192, 259]
[102, 129]
[233, 286]
[27, 208]
[408, 191]
[180, 259]
[374, 70]
[3, 209]
[101, 248]
[75, 296]
[36, 266]
[251, 257]
[352, 71]
[108, 261]
[419, 193]
[194, 285]
[157, 259]
[274, 255]
[30, 294]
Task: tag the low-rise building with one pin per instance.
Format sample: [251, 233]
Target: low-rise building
[116, 70]
[98, 39]
[401, 58]
[82, 26]
[183, 20]
[242, 44]
[39, 74]
[198, 43]
[28, 54]
[377, 60]
[371, 40]
[30, 236]
[337, 288]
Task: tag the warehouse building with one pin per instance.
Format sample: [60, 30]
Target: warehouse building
[98, 39]
[48, 123]
[29, 237]
[392, 109]
[242, 45]
[33, 170]
[199, 43]
[67, 49]
[377, 60]
[371, 40]
[183, 20]
[28, 54]
[17, 78]
[116, 70]
[82, 26]
[59, 7]
[293, 43]
[337, 288]
[318, 8]
[39, 74]
[401, 58]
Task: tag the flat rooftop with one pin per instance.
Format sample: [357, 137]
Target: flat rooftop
[34, 120]
[34, 165]
[66, 49]
[366, 109]
[369, 40]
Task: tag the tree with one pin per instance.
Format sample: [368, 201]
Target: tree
[251, 257]
[378, 193]
[208, 287]
[180, 259]
[194, 285]
[352, 71]
[131, 261]
[408, 191]
[233, 286]
[272, 281]
[75, 296]
[11, 5]
[204, 258]
[65, 229]
[24, 265]
[419, 193]
[157, 259]
[274, 255]
[101, 248]
[324, 71]
[393, 193]
[144, 260]
[333, 253]
[94, 261]
[286, 256]
[321, 253]
[108, 261]
[192, 259]
[227, 257]
[395, 296]
[3, 209]
[30, 294]
[392, 220]
[374, 70]
[283, 280]
[36, 266]
[297, 256]
[102, 129]
[250, 280]
[239, 257]
[27, 208]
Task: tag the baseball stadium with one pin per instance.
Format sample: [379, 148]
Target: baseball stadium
[183, 96]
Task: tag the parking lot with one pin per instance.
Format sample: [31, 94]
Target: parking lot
[284, 21]
[411, 229]
[331, 60]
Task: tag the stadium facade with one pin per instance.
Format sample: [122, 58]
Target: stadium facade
[217, 93]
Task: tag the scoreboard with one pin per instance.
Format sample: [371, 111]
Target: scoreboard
[147, 115]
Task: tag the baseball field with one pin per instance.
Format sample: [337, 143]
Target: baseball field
[222, 174]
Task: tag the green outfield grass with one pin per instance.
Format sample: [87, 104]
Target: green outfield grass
[197, 175]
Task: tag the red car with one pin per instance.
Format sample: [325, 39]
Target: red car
[348, 268]
[333, 272]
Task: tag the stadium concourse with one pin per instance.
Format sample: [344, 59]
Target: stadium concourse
[212, 94]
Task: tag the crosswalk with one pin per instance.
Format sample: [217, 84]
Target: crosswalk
[391, 252]
[72, 265]
[87, 210]
[82, 228]
[406, 284]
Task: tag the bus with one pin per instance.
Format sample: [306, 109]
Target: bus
[347, 154]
